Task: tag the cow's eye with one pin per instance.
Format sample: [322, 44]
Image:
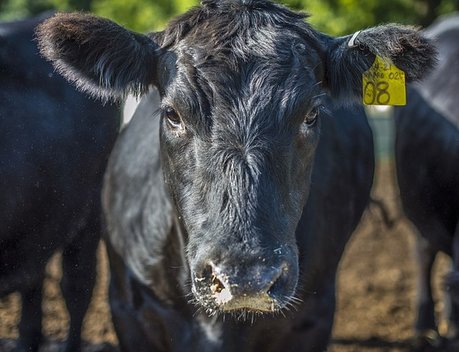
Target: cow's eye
[173, 118]
[311, 118]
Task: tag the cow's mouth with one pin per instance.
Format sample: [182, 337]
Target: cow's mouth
[251, 304]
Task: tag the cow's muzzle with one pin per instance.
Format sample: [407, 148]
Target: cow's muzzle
[258, 288]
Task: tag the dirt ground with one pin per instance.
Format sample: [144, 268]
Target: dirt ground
[375, 298]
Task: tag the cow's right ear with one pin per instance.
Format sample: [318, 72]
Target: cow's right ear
[99, 56]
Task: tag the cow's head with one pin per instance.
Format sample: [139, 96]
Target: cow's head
[241, 85]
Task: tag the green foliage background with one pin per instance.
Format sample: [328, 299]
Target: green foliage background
[331, 16]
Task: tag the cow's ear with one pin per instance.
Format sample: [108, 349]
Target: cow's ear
[347, 58]
[99, 56]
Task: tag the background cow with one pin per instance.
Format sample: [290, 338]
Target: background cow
[54, 147]
[206, 191]
[427, 159]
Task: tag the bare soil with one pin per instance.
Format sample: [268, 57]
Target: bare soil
[375, 308]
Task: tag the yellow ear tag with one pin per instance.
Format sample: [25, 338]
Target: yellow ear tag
[384, 84]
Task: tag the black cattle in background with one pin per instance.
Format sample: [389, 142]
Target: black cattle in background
[427, 160]
[214, 243]
[54, 145]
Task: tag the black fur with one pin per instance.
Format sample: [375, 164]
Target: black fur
[54, 147]
[97, 55]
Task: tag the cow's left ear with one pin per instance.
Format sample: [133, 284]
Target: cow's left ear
[98, 55]
[347, 58]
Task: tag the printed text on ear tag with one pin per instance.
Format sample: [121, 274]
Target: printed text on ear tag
[384, 84]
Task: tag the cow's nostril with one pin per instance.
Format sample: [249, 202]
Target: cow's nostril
[207, 272]
[211, 278]
[216, 285]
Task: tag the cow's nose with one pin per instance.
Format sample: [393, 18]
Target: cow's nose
[257, 287]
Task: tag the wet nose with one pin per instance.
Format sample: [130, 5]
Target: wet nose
[255, 287]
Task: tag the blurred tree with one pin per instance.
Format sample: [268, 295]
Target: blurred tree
[346, 16]
[21, 8]
[141, 15]
[84, 5]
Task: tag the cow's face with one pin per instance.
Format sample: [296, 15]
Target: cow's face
[240, 83]
[239, 126]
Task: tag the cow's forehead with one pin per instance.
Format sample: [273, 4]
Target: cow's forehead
[243, 59]
[248, 73]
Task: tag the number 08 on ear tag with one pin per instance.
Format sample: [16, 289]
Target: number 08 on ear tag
[384, 84]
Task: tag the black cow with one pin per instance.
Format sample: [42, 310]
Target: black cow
[212, 244]
[54, 146]
[427, 157]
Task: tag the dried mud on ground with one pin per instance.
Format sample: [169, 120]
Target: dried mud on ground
[375, 298]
